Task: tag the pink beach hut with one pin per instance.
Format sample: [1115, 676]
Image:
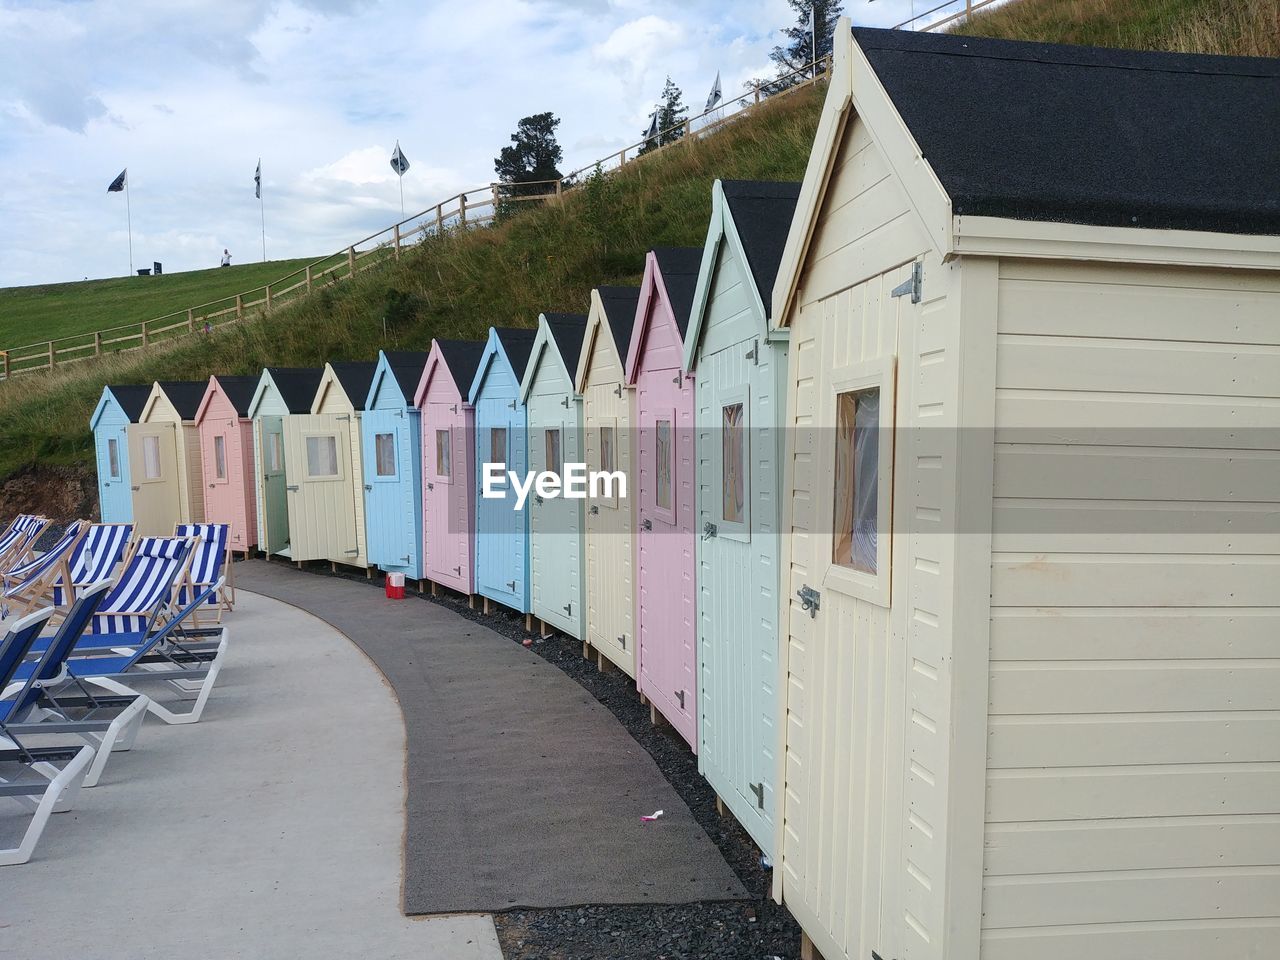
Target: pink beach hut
[226, 454]
[449, 463]
[664, 485]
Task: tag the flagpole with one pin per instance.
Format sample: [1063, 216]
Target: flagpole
[401, 179]
[128, 213]
[262, 209]
[813, 36]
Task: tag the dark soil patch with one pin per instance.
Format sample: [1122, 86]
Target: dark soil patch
[757, 930]
[62, 494]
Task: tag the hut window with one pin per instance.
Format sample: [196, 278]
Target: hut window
[608, 451]
[322, 456]
[220, 457]
[498, 445]
[733, 464]
[384, 454]
[275, 453]
[856, 477]
[662, 452]
[554, 462]
[444, 453]
[113, 458]
[151, 458]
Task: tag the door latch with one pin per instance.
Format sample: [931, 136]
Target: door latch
[646, 524]
[758, 790]
[431, 486]
[368, 486]
[537, 499]
[594, 508]
[810, 599]
[709, 530]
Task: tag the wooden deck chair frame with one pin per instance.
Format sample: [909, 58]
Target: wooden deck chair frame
[174, 587]
[69, 585]
[227, 577]
[38, 590]
[22, 548]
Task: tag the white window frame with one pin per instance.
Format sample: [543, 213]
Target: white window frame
[394, 475]
[223, 476]
[274, 443]
[435, 470]
[878, 373]
[337, 454]
[667, 514]
[113, 458]
[147, 440]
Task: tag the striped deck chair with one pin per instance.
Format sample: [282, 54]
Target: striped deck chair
[153, 569]
[58, 772]
[29, 584]
[17, 543]
[210, 562]
[94, 559]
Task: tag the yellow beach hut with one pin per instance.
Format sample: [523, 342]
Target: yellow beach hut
[164, 459]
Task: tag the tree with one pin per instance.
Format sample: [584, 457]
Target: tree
[534, 155]
[799, 50]
[672, 113]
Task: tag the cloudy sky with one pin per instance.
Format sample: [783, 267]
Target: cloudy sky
[188, 94]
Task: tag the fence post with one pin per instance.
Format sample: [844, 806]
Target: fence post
[144, 333]
[462, 208]
[191, 320]
[97, 343]
[756, 87]
[239, 306]
[52, 355]
[439, 219]
[267, 308]
[688, 127]
[494, 188]
[308, 278]
[397, 233]
[623, 154]
[351, 261]
[6, 364]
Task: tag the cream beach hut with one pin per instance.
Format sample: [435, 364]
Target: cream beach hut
[739, 403]
[1029, 658]
[554, 411]
[607, 409]
[326, 476]
[226, 458]
[282, 392]
[164, 459]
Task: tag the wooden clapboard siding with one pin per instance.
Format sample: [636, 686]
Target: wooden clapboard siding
[1133, 794]
[393, 505]
[110, 422]
[271, 500]
[332, 402]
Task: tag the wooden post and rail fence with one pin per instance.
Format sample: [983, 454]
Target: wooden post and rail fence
[472, 208]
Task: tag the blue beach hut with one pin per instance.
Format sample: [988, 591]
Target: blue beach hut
[118, 407]
[391, 441]
[502, 532]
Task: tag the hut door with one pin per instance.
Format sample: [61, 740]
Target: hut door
[321, 496]
[500, 536]
[153, 467]
[444, 538]
[275, 510]
[115, 499]
[665, 546]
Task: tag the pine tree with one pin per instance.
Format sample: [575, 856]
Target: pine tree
[534, 155]
[672, 113]
[800, 47]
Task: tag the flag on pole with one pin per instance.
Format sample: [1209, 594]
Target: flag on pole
[399, 162]
[713, 97]
[652, 132]
[257, 180]
[118, 183]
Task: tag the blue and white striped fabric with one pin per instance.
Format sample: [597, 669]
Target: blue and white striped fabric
[27, 576]
[95, 557]
[145, 585]
[207, 558]
[19, 538]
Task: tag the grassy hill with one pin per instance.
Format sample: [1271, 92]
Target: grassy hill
[53, 310]
[549, 258]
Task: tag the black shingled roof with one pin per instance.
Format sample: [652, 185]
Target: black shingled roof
[355, 379]
[518, 344]
[185, 395]
[132, 398]
[1036, 131]
[620, 307]
[462, 358]
[762, 214]
[297, 386]
[239, 391]
[679, 267]
[406, 367]
[568, 329]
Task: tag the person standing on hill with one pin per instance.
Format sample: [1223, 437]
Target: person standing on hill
[226, 257]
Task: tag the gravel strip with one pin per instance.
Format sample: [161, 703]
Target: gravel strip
[757, 930]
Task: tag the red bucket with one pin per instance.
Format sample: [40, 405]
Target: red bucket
[395, 586]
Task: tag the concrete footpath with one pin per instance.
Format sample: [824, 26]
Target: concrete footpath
[272, 828]
[523, 790]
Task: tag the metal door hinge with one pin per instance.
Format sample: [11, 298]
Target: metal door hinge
[622, 641]
[810, 599]
[406, 558]
[754, 353]
[139, 488]
[512, 404]
[511, 585]
[345, 416]
[912, 285]
[564, 402]
[568, 609]
[758, 790]
[676, 379]
[680, 697]
[617, 390]
[709, 530]
[458, 571]
[292, 488]
[454, 408]
[352, 553]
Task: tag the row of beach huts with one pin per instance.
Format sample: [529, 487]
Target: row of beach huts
[951, 540]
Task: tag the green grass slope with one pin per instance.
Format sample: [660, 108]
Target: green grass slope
[544, 259]
[53, 310]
